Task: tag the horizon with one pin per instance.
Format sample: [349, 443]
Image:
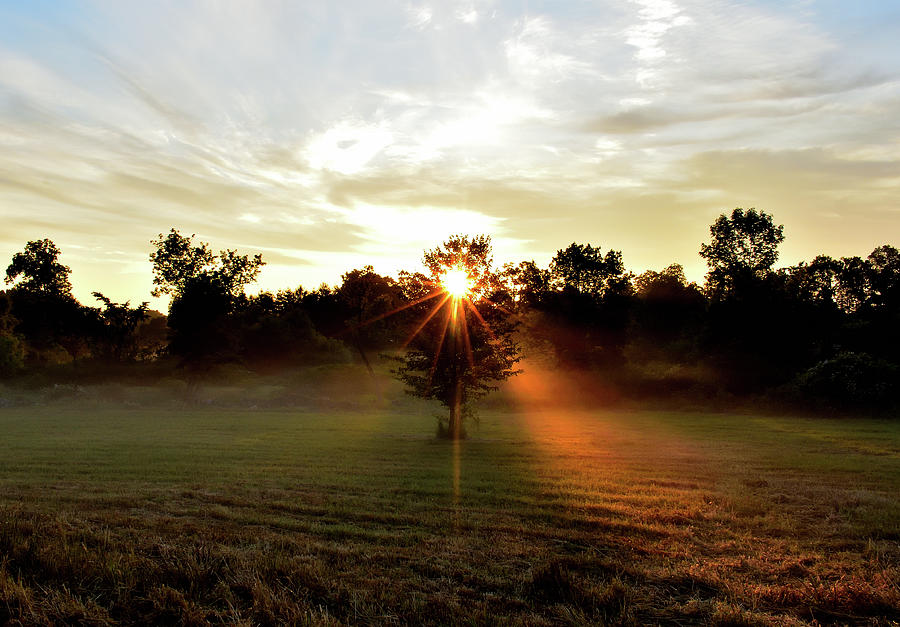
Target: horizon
[328, 138]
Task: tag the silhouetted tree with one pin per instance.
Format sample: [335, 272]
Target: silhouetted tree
[207, 289]
[367, 298]
[582, 268]
[49, 317]
[742, 250]
[466, 346]
[177, 261]
[852, 290]
[815, 282]
[201, 334]
[117, 338]
[276, 332]
[750, 319]
[812, 320]
[875, 322]
[585, 312]
[668, 313]
[324, 309]
[884, 278]
[527, 282]
[39, 269]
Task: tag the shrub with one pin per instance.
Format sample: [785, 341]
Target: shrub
[12, 355]
[851, 381]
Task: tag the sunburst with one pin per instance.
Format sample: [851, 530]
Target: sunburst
[454, 292]
[457, 282]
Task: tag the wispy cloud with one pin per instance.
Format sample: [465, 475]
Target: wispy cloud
[326, 135]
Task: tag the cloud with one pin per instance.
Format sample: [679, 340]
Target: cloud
[347, 147]
[657, 18]
[317, 133]
[535, 57]
[420, 16]
[828, 202]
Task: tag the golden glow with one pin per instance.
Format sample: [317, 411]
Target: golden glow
[457, 282]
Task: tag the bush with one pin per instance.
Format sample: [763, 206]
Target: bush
[12, 355]
[851, 381]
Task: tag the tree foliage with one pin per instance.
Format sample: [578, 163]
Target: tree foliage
[467, 345]
[117, 338]
[583, 268]
[207, 290]
[48, 316]
[276, 331]
[177, 261]
[368, 298]
[471, 253]
[828, 328]
[742, 249]
[12, 348]
[39, 269]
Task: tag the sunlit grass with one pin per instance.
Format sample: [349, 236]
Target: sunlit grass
[364, 517]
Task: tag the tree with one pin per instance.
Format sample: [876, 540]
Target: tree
[582, 268]
[200, 333]
[852, 290]
[584, 311]
[367, 298]
[207, 290]
[742, 250]
[39, 269]
[884, 278]
[814, 282]
[527, 282]
[276, 332]
[177, 260]
[667, 312]
[49, 317]
[465, 344]
[117, 337]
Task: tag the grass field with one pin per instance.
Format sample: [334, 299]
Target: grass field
[168, 515]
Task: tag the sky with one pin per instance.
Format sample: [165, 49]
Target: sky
[330, 135]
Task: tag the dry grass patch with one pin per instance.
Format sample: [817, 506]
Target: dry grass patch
[174, 517]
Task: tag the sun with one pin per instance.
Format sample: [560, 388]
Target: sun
[457, 282]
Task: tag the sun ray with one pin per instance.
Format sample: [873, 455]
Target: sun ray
[465, 333]
[440, 346]
[425, 321]
[483, 323]
[396, 310]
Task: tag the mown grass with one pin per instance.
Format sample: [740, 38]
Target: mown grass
[216, 515]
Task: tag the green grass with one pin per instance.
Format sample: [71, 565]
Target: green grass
[170, 515]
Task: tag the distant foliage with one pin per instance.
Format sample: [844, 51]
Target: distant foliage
[116, 338]
[852, 381]
[582, 268]
[826, 330]
[368, 300]
[12, 348]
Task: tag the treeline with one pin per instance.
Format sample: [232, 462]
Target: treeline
[821, 334]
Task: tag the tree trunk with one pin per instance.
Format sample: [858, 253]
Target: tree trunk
[362, 353]
[454, 428]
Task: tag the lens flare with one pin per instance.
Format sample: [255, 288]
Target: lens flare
[457, 282]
